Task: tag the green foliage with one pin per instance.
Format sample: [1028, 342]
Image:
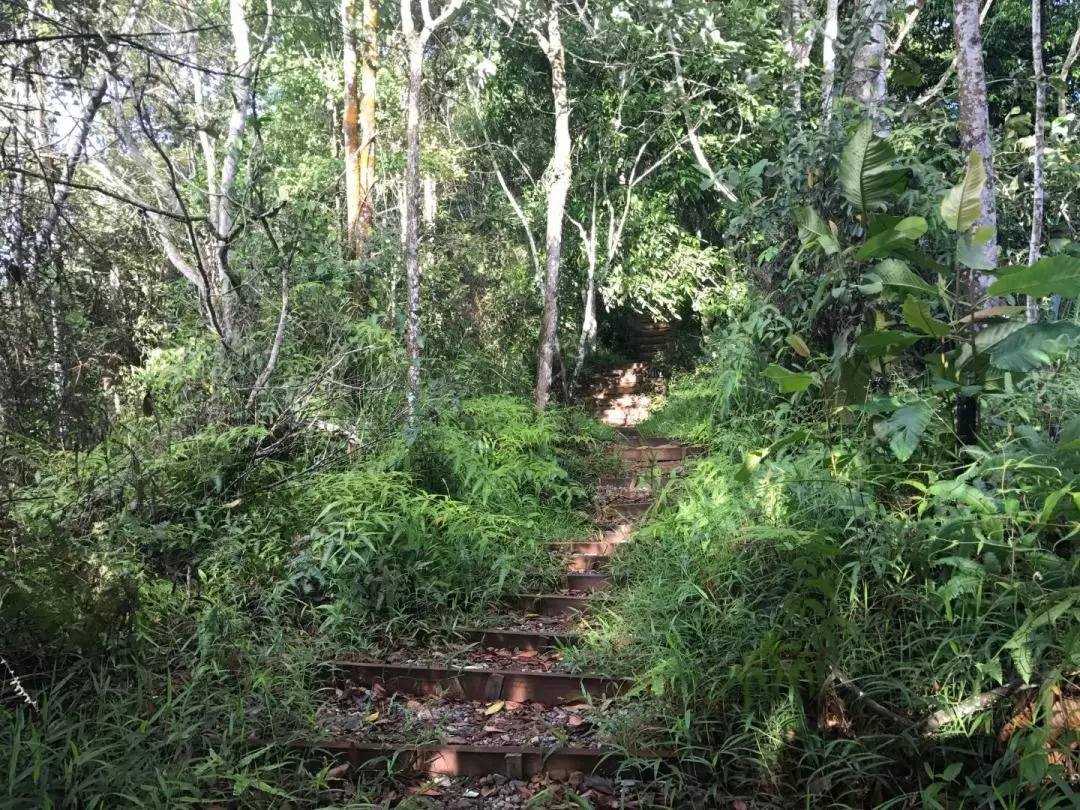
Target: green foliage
[868, 174]
[962, 206]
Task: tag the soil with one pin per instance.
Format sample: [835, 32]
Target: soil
[372, 715]
[540, 793]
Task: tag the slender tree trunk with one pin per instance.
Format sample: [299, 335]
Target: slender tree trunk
[797, 44]
[350, 130]
[1038, 190]
[369, 72]
[412, 226]
[913, 9]
[930, 94]
[556, 203]
[587, 338]
[828, 60]
[975, 125]
[416, 40]
[868, 65]
[1066, 66]
[691, 126]
[974, 135]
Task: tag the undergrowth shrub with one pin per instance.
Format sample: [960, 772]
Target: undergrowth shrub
[167, 595]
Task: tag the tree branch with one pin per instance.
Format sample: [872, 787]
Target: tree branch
[929, 95]
[691, 127]
[279, 333]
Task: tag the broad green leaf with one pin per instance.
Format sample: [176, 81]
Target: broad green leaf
[901, 235]
[962, 206]
[871, 285]
[790, 382]
[1034, 346]
[753, 459]
[959, 491]
[813, 229]
[869, 178]
[896, 274]
[906, 427]
[989, 313]
[799, 345]
[1052, 275]
[887, 337]
[911, 227]
[970, 254]
[917, 316]
[993, 334]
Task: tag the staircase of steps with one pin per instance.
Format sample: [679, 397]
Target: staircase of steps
[480, 725]
[622, 397]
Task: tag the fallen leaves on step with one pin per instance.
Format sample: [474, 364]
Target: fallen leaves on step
[495, 707]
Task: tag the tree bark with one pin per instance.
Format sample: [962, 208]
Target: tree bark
[691, 127]
[828, 60]
[914, 8]
[412, 225]
[975, 126]
[930, 94]
[360, 60]
[369, 72]
[1066, 66]
[416, 40]
[556, 202]
[797, 44]
[350, 129]
[867, 80]
[1038, 191]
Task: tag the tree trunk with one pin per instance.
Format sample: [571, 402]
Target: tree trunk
[828, 60]
[587, 338]
[1038, 190]
[797, 43]
[931, 93]
[1066, 66]
[868, 65]
[350, 123]
[913, 9]
[975, 126]
[412, 226]
[368, 92]
[556, 204]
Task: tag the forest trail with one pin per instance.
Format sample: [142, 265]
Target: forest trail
[502, 716]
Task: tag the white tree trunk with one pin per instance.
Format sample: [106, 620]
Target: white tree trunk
[798, 40]
[868, 65]
[1066, 66]
[828, 60]
[975, 125]
[412, 226]
[1038, 190]
[556, 204]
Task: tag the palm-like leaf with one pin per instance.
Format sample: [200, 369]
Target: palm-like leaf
[869, 177]
[962, 206]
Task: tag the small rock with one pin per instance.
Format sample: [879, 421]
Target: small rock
[425, 715]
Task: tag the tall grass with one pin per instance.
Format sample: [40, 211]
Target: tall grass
[168, 596]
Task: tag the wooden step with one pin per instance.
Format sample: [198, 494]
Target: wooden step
[482, 684]
[514, 762]
[587, 582]
[628, 511]
[515, 639]
[662, 452]
[550, 604]
[587, 547]
[588, 562]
